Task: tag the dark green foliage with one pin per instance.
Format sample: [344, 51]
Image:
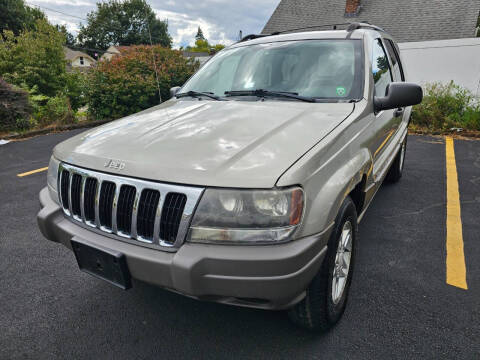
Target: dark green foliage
[69, 38]
[199, 35]
[447, 106]
[15, 16]
[75, 83]
[123, 23]
[15, 108]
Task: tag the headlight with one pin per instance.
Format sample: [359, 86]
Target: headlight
[52, 178]
[247, 216]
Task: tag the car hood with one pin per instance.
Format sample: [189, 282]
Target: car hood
[208, 143]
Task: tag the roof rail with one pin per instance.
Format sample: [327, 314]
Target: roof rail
[253, 36]
[363, 25]
[351, 27]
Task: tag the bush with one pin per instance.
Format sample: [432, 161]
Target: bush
[75, 83]
[15, 108]
[56, 110]
[127, 84]
[447, 106]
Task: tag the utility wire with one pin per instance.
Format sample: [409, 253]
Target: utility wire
[60, 12]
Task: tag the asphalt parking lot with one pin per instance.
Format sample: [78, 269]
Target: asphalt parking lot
[400, 304]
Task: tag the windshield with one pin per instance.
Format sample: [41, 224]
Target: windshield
[325, 69]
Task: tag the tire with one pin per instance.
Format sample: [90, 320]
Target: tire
[319, 310]
[395, 172]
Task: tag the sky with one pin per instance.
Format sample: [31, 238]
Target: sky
[220, 20]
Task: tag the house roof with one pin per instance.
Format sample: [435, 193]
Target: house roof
[71, 55]
[405, 20]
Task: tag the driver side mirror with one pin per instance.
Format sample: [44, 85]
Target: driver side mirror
[174, 90]
[397, 95]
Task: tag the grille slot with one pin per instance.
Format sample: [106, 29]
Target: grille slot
[171, 216]
[76, 192]
[89, 199]
[125, 208]
[105, 203]
[64, 185]
[137, 211]
[147, 209]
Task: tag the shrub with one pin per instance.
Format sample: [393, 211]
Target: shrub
[75, 83]
[127, 84]
[56, 110]
[446, 106]
[15, 108]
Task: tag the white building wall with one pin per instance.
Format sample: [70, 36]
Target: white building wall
[86, 62]
[443, 61]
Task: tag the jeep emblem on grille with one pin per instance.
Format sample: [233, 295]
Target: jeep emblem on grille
[115, 164]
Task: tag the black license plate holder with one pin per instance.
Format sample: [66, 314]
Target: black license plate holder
[103, 263]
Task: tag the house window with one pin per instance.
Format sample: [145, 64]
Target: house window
[81, 60]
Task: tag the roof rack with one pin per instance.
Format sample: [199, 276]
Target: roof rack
[363, 25]
[351, 27]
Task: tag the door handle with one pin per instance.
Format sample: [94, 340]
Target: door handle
[398, 112]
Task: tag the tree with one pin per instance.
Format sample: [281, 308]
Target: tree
[34, 58]
[15, 108]
[16, 16]
[204, 46]
[129, 22]
[127, 84]
[69, 38]
[199, 35]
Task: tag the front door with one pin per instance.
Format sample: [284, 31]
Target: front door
[386, 121]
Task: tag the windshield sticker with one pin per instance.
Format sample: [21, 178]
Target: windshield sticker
[341, 91]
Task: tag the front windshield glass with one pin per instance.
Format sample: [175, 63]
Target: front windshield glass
[325, 69]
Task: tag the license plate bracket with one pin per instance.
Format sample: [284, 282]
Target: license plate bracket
[103, 263]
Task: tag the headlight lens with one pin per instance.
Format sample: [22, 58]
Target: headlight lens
[52, 178]
[248, 216]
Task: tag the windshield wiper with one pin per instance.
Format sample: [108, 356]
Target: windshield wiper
[263, 93]
[199, 94]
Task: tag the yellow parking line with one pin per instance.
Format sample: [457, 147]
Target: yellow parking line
[32, 172]
[456, 270]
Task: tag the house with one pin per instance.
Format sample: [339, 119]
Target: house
[201, 57]
[112, 51]
[405, 20]
[78, 59]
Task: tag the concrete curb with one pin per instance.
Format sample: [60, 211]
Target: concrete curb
[48, 130]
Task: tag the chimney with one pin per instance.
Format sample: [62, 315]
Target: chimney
[352, 8]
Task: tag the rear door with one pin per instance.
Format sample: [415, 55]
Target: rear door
[386, 122]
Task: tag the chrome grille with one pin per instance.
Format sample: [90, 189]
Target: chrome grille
[133, 210]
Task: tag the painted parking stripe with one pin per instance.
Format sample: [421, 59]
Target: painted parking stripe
[456, 270]
[32, 172]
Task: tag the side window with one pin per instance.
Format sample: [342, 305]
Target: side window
[397, 66]
[382, 74]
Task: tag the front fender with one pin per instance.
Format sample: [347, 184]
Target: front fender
[327, 189]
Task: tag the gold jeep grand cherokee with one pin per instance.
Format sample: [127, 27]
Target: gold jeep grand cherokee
[247, 186]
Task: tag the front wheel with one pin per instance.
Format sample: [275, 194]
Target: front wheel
[327, 294]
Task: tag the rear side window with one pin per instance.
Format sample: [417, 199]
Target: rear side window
[397, 66]
[382, 74]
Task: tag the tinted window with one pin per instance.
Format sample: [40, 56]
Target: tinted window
[382, 75]
[397, 67]
[330, 69]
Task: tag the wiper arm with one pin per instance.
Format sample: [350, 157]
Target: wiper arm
[199, 94]
[262, 93]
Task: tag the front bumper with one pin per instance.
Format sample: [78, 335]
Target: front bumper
[269, 277]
